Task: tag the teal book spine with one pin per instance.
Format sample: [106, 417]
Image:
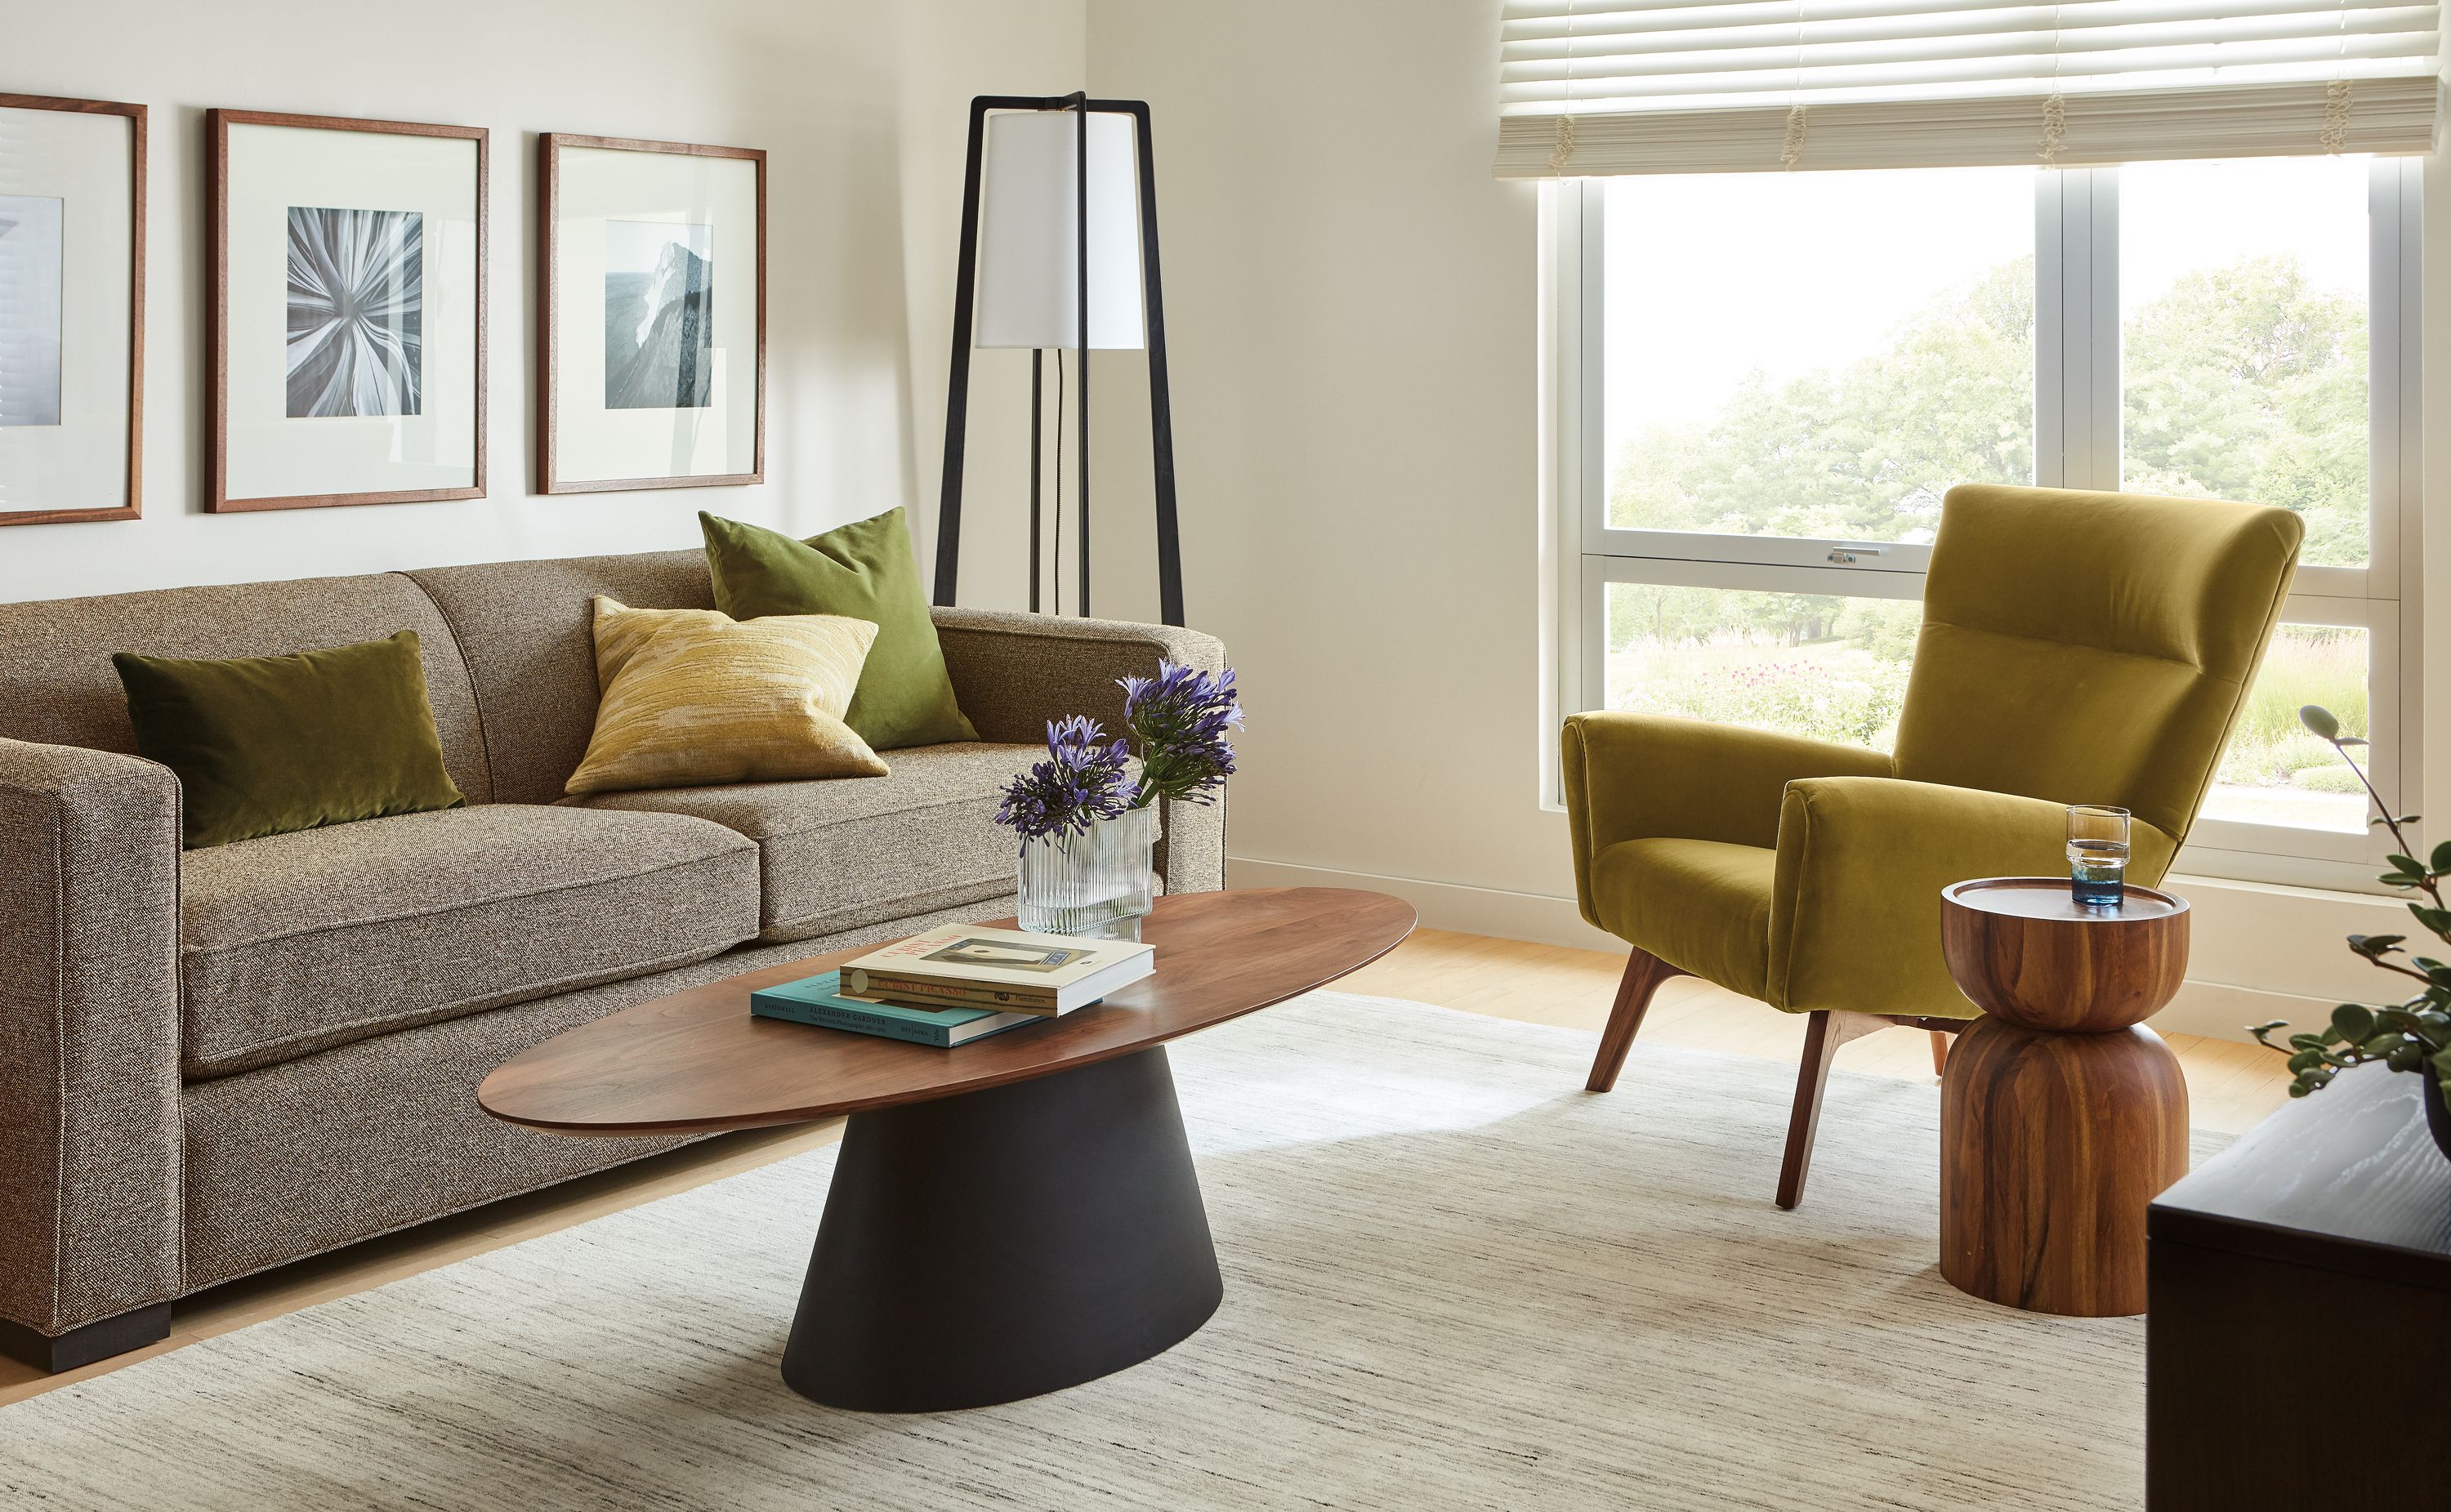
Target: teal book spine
[811, 1000]
[857, 1023]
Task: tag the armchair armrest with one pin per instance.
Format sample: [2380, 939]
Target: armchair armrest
[1637, 776]
[1854, 919]
[1013, 673]
[89, 1122]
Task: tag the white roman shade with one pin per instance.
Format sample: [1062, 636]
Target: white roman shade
[1727, 86]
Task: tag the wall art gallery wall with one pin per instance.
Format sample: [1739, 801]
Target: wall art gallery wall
[860, 111]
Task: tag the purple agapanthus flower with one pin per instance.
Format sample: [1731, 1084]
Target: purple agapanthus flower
[1083, 778]
[1179, 718]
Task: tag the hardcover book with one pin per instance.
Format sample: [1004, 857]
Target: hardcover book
[816, 1000]
[967, 964]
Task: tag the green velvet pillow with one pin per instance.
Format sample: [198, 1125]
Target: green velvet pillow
[862, 571]
[264, 745]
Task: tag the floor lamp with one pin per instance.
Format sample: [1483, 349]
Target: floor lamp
[1023, 283]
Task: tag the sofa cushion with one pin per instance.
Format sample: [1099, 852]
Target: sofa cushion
[57, 685]
[295, 943]
[850, 850]
[264, 745]
[526, 630]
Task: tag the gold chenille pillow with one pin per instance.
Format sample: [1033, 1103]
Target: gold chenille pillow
[694, 698]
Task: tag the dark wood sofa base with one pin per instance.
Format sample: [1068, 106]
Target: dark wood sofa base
[99, 1340]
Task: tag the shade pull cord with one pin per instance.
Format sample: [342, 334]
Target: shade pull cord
[1563, 151]
[2054, 129]
[1793, 153]
[2336, 117]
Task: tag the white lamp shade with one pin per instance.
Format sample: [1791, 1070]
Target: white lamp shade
[1029, 233]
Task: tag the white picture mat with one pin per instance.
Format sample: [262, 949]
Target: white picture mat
[591, 443]
[86, 162]
[272, 456]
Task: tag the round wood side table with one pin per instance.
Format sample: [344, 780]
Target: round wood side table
[2061, 1114]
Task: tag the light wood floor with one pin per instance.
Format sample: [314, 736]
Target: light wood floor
[2229, 1086]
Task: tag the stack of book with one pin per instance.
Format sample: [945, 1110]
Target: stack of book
[957, 983]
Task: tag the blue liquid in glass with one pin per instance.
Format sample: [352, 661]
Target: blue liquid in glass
[2094, 887]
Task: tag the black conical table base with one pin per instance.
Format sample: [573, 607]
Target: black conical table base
[1005, 1243]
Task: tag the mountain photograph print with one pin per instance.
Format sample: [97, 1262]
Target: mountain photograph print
[29, 310]
[658, 327]
[357, 298]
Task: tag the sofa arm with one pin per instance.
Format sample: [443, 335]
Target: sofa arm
[1013, 672]
[90, 1125]
[1854, 920]
[1639, 776]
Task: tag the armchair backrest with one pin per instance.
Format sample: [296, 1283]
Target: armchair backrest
[2091, 647]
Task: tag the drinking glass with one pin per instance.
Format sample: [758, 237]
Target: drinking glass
[2097, 852]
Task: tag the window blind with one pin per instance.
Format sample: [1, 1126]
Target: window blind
[1726, 85]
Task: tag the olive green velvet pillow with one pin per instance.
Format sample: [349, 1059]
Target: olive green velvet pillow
[264, 745]
[860, 571]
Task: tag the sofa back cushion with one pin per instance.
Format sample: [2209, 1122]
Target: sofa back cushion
[527, 631]
[57, 684]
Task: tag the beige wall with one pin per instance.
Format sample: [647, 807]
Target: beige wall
[860, 108]
[1352, 302]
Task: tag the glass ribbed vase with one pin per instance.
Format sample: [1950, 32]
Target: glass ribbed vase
[1096, 882]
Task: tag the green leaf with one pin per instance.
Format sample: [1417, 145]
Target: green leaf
[2406, 1057]
[2353, 1022]
[2320, 719]
[2382, 1045]
[2440, 860]
[2436, 920]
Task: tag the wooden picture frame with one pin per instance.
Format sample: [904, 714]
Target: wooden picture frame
[133, 507]
[218, 176]
[554, 384]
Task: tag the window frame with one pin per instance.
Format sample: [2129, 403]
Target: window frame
[2078, 412]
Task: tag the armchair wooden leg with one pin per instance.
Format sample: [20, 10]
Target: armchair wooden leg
[1939, 1053]
[1644, 971]
[1822, 1037]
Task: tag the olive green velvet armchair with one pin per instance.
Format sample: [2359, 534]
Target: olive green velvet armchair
[2076, 648]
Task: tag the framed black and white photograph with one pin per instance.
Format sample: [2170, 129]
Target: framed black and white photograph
[652, 331]
[348, 311]
[72, 309]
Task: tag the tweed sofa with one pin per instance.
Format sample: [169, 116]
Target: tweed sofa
[222, 1060]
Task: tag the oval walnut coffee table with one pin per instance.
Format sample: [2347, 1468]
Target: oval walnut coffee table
[1007, 1217]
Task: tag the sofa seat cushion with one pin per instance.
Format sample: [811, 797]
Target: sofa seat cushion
[846, 852]
[295, 943]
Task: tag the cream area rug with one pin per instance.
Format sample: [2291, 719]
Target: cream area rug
[1454, 1279]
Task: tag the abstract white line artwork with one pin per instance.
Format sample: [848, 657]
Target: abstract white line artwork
[357, 297]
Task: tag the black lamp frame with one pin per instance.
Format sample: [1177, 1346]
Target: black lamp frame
[948, 513]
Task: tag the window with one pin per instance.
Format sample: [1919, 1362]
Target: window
[1768, 381]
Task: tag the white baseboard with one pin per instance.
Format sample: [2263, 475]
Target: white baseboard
[2214, 1009]
[1533, 916]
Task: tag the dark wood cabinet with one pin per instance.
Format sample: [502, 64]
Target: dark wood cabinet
[2300, 1313]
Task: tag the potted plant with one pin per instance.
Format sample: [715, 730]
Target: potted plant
[2415, 1034]
[1089, 826]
